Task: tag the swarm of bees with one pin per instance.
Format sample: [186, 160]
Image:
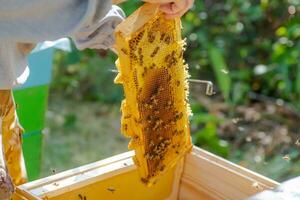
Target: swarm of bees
[154, 76]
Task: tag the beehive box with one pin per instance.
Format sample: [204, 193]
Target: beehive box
[201, 175]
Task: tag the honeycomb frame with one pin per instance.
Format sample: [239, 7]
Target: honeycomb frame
[155, 111]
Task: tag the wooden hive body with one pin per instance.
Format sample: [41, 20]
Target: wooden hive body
[202, 176]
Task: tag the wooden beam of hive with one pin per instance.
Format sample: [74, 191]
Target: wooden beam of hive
[154, 76]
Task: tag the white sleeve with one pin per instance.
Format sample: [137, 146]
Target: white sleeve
[33, 21]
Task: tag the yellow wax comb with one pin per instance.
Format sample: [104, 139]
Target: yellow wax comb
[154, 76]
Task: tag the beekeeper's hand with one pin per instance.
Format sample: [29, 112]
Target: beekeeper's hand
[173, 8]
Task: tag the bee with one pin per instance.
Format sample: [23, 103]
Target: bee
[178, 116]
[145, 69]
[160, 89]
[152, 66]
[140, 35]
[154, 52]
[81, 197]
[169, 78]
[286, 158]
[124, 51]
[140, 50]
[153, 97]
[111, 189]
[53, 171]
[127, 116]
[162, 36]
[181, 54]
[168, 39]
[166, 126]
[257, 186]
[151, 143]
[141, 61]
[155, 102]
[144, 180]
[132, 45]
[167, 58]
[139, 91]
[156, 126]
[168, 141]
[162, 168]
[125, 126]
[151, 37]
[133, 57]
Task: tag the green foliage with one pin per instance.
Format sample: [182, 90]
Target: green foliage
[257, 40]
[221, 71]
[70, 120]
[249, 45]
[87, 76]
[207, 138]
[130, 6]
[205, 134]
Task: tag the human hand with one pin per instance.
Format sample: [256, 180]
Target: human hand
[173, 8]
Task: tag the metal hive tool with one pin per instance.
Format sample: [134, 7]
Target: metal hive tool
[154, 76]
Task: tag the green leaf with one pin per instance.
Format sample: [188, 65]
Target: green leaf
[298, 80]
[207, 138]
[221, 71]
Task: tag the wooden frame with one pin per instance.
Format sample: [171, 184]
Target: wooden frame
[212, 177]
[201, 175]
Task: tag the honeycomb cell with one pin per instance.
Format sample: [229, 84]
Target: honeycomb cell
[154, 76]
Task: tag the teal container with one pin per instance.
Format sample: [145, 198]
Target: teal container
[32, 102]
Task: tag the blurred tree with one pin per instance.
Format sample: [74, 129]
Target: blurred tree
[255, 44]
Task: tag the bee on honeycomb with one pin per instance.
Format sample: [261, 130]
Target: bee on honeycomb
[155, 110]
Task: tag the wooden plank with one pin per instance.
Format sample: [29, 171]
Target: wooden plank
[139, 19]
[177, 180]
[219, 178]
[26, 195]
[77, 171]
[237, 168]
[80, 177]
[203, 176]
[191, 193]
[84, 179]
[118, 171]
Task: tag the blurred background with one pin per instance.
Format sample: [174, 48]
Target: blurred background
[249, 49]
